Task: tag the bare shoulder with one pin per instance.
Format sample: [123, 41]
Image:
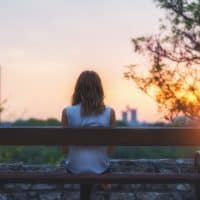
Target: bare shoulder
[112, 118]
[64, 112]
[112, 111]
[64, 119]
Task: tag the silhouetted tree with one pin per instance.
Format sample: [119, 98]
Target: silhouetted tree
[173, 78]
[2, 107]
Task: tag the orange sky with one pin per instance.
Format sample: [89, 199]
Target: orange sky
[43, 92]
[44, 47]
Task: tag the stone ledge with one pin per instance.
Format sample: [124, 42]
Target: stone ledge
[118, 192]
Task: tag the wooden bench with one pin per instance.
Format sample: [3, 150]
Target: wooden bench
[102, 136]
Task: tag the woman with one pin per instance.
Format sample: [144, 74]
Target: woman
[88, 110]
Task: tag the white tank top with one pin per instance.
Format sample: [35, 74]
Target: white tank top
[87, 159]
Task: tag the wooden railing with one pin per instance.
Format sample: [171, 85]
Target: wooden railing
[102, 136]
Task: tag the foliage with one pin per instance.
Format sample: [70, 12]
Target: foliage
[154, 152]
[173, 79]
[31, 154]
[54, 155]
[37, 122]
[2, 105]
[120, 123]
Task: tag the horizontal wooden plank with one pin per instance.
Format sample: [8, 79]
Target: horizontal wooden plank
[123, 178]
[101, 136]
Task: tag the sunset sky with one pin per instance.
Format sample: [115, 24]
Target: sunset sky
[45, 44]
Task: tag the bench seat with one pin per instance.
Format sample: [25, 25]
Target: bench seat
[8, 176]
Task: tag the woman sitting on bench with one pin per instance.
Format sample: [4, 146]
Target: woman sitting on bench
[88, 110]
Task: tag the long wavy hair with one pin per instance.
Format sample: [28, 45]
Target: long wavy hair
[89, 93]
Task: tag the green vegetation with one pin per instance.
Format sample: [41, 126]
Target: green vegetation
[31, 154]
[154, 152]
[54, 155]
[37, 122]
[120, 123]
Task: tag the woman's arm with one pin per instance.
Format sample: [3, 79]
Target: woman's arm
[112, 119]
[64, 122]
[112, 125]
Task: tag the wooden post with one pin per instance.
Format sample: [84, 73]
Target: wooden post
[197, 170]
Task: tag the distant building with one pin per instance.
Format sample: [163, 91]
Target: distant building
[133, 121]
[129, 118]
[133, 117]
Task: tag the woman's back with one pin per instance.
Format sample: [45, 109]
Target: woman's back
[91, 159]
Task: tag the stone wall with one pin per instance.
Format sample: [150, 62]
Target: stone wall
[118, 191]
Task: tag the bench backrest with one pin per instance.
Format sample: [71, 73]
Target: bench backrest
[101, 136]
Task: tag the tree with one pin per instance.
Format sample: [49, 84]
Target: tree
[2, 107]
[173, 78]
